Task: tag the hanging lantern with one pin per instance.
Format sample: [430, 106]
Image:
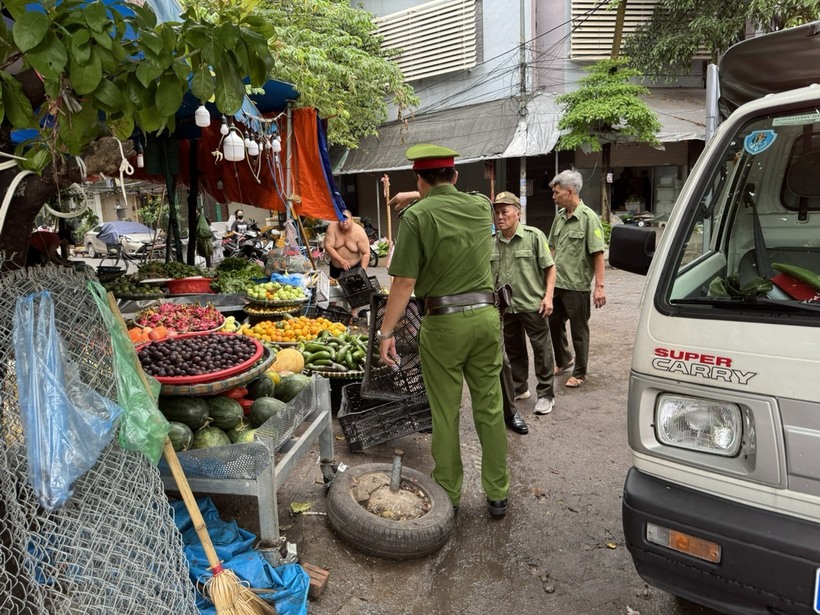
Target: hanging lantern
[253, 148]
[224, 130]
[276, 144]
[202, 117]
[140, 156]
[233, 147]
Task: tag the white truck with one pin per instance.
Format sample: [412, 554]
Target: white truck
[722, 503]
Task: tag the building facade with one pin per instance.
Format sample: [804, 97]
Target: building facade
[487, 73]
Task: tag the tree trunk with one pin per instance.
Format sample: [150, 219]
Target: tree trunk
[606, 159]
[33, 192]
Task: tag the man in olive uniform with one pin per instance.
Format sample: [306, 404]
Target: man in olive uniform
[443, 252]
[523, 260]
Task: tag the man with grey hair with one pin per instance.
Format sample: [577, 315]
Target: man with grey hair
[577, 244]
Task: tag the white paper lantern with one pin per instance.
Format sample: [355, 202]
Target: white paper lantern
[277, 145]
[202, 117]
[233, 147]
[253, 148]
[224, 130]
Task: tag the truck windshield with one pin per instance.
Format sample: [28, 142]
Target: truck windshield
[752, 242]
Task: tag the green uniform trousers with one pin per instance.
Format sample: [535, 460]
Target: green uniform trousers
[454, 348]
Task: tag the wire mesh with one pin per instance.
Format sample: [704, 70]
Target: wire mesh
[382, 381]
[113, 547]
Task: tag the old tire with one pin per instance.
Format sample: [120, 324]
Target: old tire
[374, 259]
[90, 252]
[387, 538]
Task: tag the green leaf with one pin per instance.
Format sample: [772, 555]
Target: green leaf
[30, 30]
[80, 46]
[147, 73]
[202, 84]
[36, 160]
[103, 39]
[228, 35]
[49, 58]
[138, 94]
[17, 106]
[169, 96]
[230, 90]
[122, 127]
[108, 96]
[95, 16]
[149, 119]
[86, 77]
[151, 42]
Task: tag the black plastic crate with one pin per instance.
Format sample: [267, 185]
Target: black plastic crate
[380, 380]
[367, 422]
[331, 313]
[358, 287]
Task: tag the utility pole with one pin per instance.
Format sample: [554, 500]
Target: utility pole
[522, 109]
[606, 148]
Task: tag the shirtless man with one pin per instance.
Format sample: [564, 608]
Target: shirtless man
[347, 244]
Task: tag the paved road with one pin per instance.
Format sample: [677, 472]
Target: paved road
[561, 547]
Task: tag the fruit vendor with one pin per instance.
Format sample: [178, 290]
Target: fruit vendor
[442, 253]
[44, 247]
[348, 247]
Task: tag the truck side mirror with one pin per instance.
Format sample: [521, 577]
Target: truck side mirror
[631, 248]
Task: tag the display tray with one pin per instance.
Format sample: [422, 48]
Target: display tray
[155, 281]
[220, 386]
[276, 303]
[211, 376]
[348, 375]
[144, 297]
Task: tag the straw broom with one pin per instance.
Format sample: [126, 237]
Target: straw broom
[228, 593]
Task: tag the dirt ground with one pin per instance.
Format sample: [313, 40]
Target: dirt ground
[560, 548]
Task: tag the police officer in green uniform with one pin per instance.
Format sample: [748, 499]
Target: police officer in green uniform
[443, 252]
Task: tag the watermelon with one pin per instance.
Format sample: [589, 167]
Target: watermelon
[180, 435]
[245, 436]
[225, 412]
[208, 437]
[242, 426]
[290, 386]
[193, 411]
[260, 387]
[264, 408]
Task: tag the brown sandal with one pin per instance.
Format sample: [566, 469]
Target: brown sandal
[574, 383]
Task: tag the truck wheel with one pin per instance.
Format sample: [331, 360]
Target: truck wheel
[383, 537]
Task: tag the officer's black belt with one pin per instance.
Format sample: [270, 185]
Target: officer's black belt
[450, 304]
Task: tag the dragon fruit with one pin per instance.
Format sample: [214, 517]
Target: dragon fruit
[181, 318]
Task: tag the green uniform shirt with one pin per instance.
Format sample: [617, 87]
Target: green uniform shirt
[444, 242]
[521, 261]
[575, 240]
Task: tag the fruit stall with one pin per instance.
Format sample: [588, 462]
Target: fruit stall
[242, 401]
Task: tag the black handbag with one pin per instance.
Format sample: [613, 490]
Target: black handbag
[503, 297]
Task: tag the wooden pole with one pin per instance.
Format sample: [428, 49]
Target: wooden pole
[386, 185]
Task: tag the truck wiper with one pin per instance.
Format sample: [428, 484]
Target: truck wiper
[759, 303]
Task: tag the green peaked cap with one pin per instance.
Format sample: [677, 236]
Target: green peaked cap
[426, 156]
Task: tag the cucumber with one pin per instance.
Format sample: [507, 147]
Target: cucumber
[318, 356]
[800, 273]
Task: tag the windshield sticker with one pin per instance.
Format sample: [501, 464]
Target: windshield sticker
[688, 363]
[805, 118]
[759, 141]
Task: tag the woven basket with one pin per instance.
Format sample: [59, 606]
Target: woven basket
[184, 286]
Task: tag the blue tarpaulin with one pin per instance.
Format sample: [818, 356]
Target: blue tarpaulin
[289, 583]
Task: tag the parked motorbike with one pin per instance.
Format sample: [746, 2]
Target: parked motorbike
[248, 243]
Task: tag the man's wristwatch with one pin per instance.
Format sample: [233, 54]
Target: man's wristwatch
[384, 336]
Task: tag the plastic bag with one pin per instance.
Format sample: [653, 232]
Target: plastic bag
[143, 428]
[66, 423]
[294, 279]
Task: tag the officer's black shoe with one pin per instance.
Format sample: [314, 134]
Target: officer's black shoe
[517, 424]
[498, 508]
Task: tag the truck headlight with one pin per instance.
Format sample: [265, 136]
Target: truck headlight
[704, 425]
